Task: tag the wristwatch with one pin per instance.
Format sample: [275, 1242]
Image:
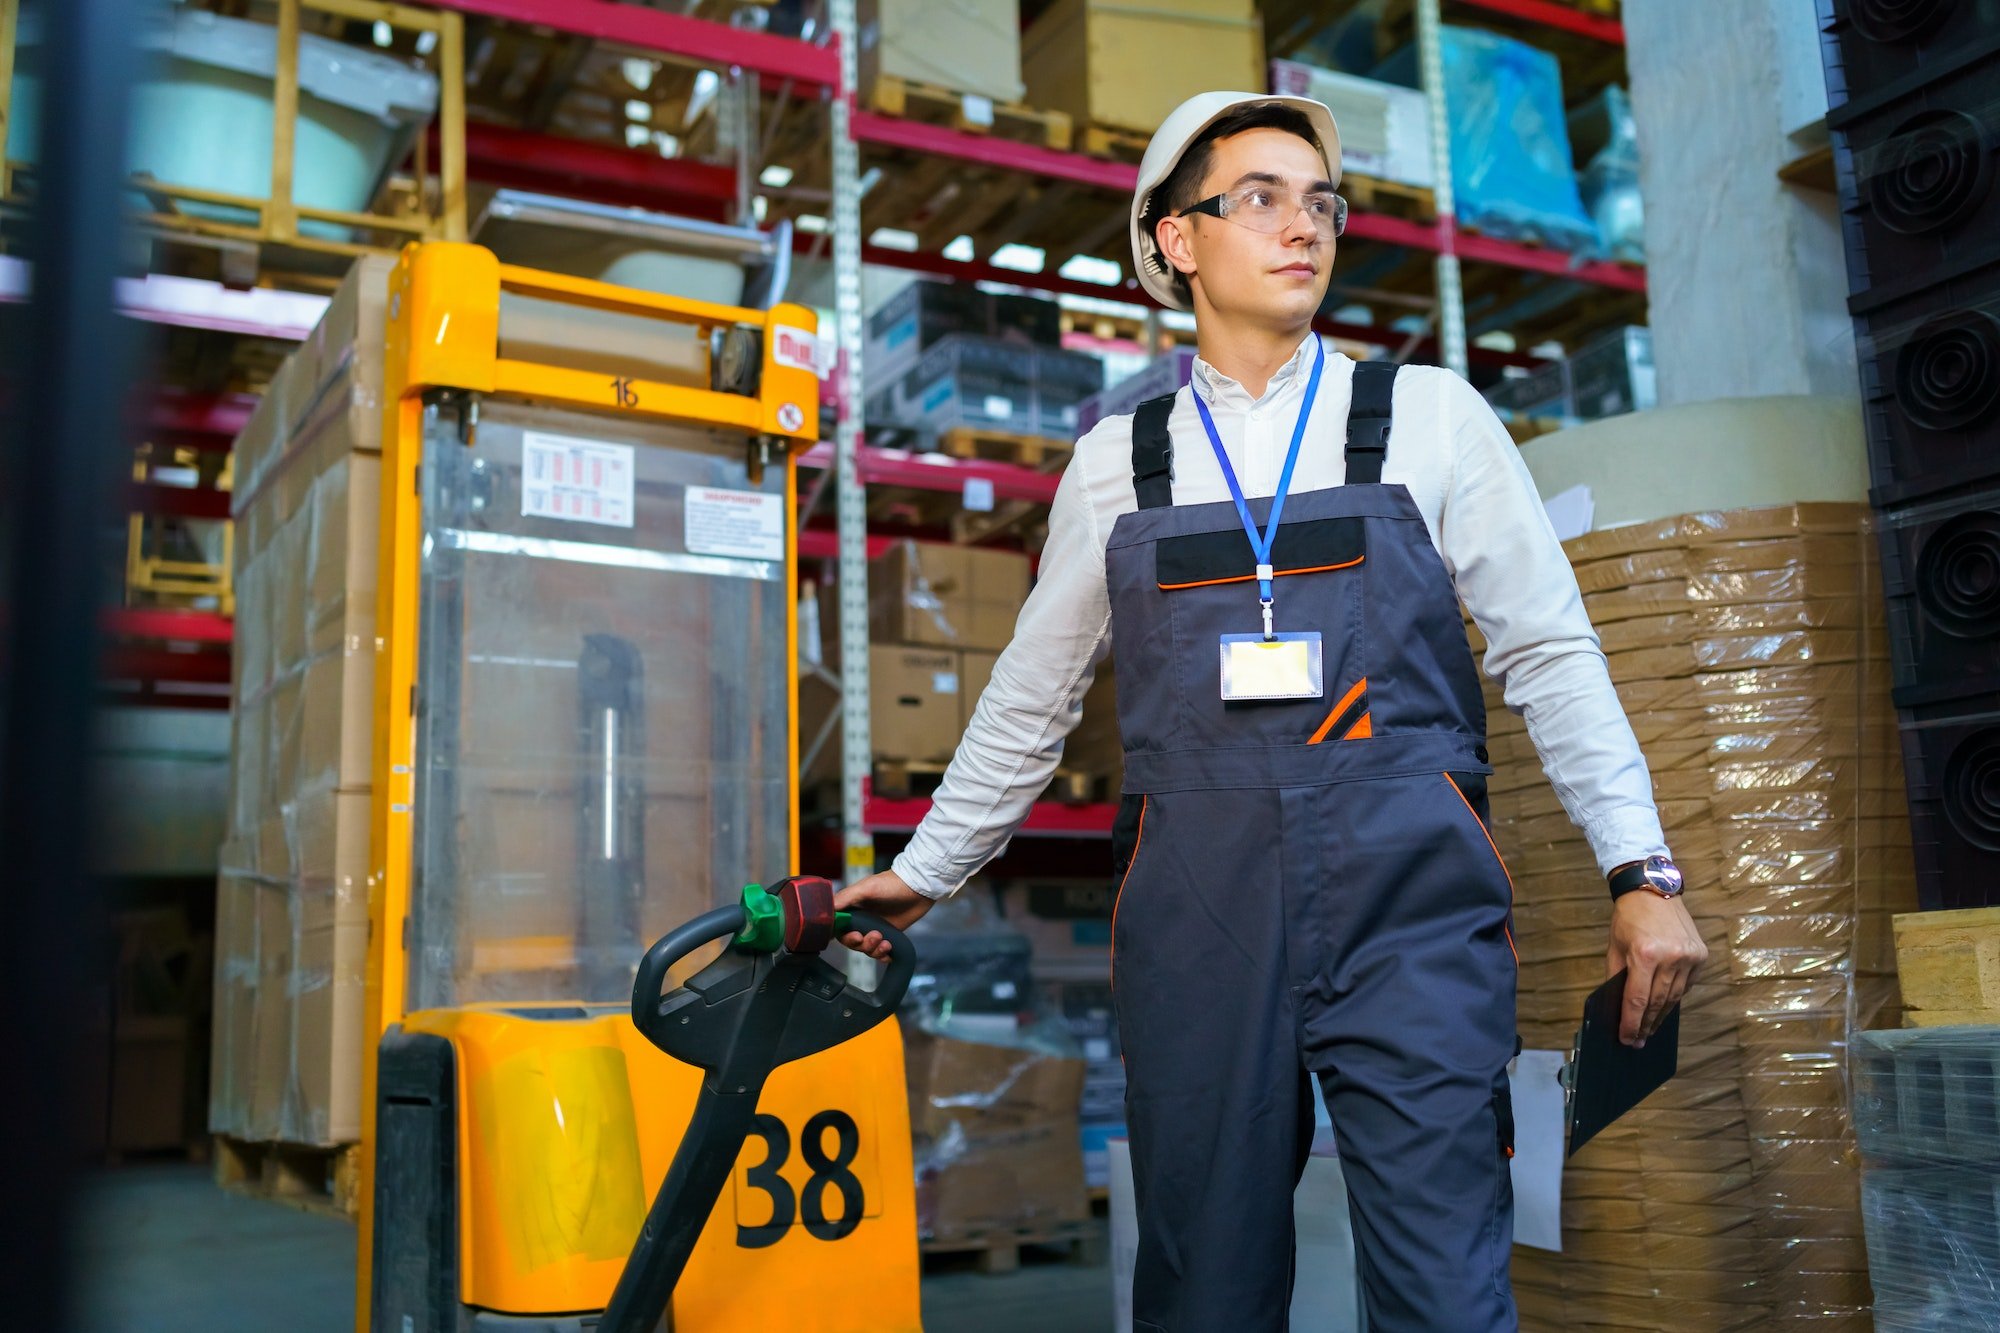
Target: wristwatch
[1657, 873]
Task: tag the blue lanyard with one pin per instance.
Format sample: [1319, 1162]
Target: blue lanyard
[1260, 543]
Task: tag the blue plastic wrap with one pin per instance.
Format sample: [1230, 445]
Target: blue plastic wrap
[1610, 182]
[1510, 161]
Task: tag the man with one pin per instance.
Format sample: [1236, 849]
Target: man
[1307, 883]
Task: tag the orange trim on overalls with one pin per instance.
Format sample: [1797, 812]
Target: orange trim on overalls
[1496, 856]
[1138, 841]
[1361, 730]
[1353, 693]
[1252, 578]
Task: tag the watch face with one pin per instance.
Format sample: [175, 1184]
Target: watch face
[1663, 875]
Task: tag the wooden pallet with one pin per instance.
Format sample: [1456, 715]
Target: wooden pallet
[1038, 452]
[902, 779]
[1949, 965]
[314, 1179]
[1371, 194]
[1117, 144]
[1010, 523]
[999, 1250]
[932, 104]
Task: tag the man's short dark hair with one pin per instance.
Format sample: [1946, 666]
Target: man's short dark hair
[1182, 186]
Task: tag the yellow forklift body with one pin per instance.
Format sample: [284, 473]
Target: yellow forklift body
[573, 1123]
[567, 1119]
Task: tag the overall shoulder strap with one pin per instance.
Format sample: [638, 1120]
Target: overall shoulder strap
[1368, 421]
[1153, 453]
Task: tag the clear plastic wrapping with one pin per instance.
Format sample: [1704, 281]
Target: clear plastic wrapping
[995, 1084]
[1927, 1113]
[1748, 649]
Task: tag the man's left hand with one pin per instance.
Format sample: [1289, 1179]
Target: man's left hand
[1655, 943]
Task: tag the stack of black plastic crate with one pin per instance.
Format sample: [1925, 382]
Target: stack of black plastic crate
[1914, 87]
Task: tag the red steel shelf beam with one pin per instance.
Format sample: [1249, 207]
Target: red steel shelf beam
[171, 411]
[990, 151]
[523, 159]
[130, 661]
[669, 34]
[936, 472]
[824, 544]
[175, 626]
[1046, 819]
[1484, 249]
[146, 497]
[1559, 16]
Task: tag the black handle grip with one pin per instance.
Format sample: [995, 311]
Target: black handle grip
[670, 949]
[902, 961]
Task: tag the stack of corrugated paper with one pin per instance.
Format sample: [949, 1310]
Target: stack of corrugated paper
[1748, 650]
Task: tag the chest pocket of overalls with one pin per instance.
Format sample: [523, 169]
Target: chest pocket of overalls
[1209, 580]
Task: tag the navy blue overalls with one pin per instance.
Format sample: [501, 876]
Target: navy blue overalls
[1308, 886]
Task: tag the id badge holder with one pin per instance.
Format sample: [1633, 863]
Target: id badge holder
[1284, 666]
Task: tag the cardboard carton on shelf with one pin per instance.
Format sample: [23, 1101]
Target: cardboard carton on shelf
[967, 46]
[1126, 67]
[946, 596]
[996, 1137]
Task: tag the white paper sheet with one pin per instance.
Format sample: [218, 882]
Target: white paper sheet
[1571, 512]
[1538, 1148]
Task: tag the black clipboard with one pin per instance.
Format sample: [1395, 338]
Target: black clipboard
[1606, 1078]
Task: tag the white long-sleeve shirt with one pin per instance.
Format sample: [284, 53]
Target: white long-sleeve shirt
[1483, 514]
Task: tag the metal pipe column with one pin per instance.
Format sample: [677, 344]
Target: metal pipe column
[1450, 282]
[850, 499]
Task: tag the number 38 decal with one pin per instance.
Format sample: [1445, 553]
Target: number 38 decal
[830, 1176]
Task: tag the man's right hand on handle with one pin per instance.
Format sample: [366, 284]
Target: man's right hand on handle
[887, 896]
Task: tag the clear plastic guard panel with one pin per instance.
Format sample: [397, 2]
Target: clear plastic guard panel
[602, 744]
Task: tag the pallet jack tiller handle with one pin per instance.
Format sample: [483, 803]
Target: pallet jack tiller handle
[767, 1000]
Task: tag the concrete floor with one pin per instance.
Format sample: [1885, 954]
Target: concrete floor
[163, 1250]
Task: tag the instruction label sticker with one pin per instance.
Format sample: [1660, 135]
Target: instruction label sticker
[797, 349]
[741, 523]
[580, 481]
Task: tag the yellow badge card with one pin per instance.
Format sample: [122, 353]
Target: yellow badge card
[1284, 666]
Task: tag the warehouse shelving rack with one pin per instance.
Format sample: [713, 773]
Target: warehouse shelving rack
[1550, 294]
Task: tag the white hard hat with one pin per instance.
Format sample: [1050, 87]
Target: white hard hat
[1180, 129]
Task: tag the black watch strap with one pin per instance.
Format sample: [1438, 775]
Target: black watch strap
[1627, 878]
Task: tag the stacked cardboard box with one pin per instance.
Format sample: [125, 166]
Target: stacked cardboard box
[1127, 66]
[1749, 654]
[291, 902]
[966, 46]
[141, 1085]
[1087, 1012]
[994, 1133]
[938, 617]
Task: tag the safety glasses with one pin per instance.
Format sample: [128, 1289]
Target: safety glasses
[1271, 208]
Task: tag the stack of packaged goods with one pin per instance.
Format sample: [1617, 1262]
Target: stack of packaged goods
[1748, 650]
[291, 903]
[938, 616]
[994, 1086]
[944, 356]
[1165, 373]
[1927, 1113]
[1068, 923]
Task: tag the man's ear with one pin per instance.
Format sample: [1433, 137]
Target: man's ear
[1172, 235]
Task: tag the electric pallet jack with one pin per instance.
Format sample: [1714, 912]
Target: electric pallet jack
[585, 727]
